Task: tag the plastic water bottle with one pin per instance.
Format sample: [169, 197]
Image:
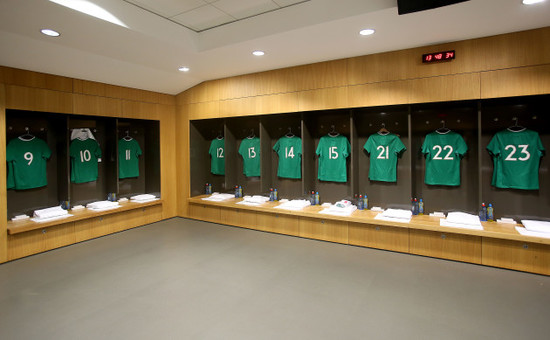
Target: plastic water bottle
[414, 206]
[271, 194]
[317, 198]
[312, 198]
[240, 191]
[483, 213]
[236, 191]
[210, 188]
[206, 189]
[490, 214]
[360, 203]
[365, 202]
[275, 195]
[421, 207]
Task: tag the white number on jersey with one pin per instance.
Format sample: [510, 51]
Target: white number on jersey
[289, 153]
[523, 151]
[85, 156]
[219, 152]
[128, 154]
[383, 151]
[439, 149]
[28, 156]
[333, 152]
[251, 153]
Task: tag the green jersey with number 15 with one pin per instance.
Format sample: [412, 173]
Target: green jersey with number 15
[250, 151]
[332, 152]
[516, 159]
[289, 150]
[443, 153]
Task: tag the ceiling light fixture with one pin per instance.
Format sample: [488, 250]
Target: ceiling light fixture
[531, 2]
[258, 53]
[49, 32]
[184, 69]
[92, 9]
[367, 31]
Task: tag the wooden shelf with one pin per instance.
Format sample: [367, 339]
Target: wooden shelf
[18, 227]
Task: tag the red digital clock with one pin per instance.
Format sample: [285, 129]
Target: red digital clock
[438, 56]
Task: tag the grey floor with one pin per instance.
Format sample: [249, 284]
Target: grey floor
[184, 279]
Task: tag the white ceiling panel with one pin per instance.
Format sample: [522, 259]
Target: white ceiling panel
[241, 9]
[169, 8]
[203, 18]
[284, 3]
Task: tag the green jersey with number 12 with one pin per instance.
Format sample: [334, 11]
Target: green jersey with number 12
[289, 150]
[27, 163]
[250, 151]
[443, 153]
[85, 155]
[384, 151]
[332, 152]
[217, 152]
[516, 159]
[128, 158]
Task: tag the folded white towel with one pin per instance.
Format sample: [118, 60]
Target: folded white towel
[397, 213]
[526, 232]
[537, 226]
[143, 197]
[463, 218]
[294, 205]
[253, 200]
[218, 197]
[50, 212]
[339, 211]
[102, 205]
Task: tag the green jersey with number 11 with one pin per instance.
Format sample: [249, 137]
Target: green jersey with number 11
[128, 161]
[289, 150]
[516, 158]
[443, 153]
[250, 151]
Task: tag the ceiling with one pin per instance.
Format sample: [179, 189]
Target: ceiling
[161, 35]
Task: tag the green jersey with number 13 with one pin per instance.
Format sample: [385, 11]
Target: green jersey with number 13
[250, 151]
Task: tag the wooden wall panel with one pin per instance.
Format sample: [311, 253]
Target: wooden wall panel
[323, 99]
[35, 99]
[379, 67]
[321, 75]
[89, 87]
[445, 245]
[13, 76]
[40, 240]
[183, 178]
[237, 107]
[276, 103]
[139, 110]
[241, 86]
[516, 82]
[515, 255]
[445, 88]
[381, 237]
[97, 106]
[168, 156]
[278, 223]
[3, 194]
[203, 110]
[238, 218]
[91, 228]
[326, 230]
[385, 93]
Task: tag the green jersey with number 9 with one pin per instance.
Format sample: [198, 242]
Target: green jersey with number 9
[516, 159]
[217, 152]
[250, 151]
[332, 152]
[443, 153]
[27, 163]
[289, 150]
[128, 161]
[85, 155]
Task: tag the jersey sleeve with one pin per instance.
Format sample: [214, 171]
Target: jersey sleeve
[72, 149]
[493, 146]
[46, 152]
[97, 151]
[211, 149]
[369, 145]
[461, 147]
[10, 153]
[426, 145]
[277, 146]
[242, 148]
[399, 146]
[299, 147]
[347, 148]
[138, 149]
[319, 151]
[540, 147]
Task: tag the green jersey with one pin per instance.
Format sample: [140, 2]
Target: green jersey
[332, 152]
[217, 152]
[443, 153]
[128, 161]
[85, 155]
[384, 151]
[516, 159]
[27, 160]
[250, 151]
[289, 150]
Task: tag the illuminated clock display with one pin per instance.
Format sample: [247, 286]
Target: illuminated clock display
[438, 56]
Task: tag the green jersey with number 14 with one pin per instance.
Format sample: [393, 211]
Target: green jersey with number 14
[217, 152]
[516, 159]
[443, 153]
[289, 150]
[85, 156]
[332, 152]
[250, 151]
[128, 161]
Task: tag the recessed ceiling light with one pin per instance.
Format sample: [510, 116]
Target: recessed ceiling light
[90, 8]
[184, 69]
[367, 31]
[531, 2]
[50, 32]
[258, 53]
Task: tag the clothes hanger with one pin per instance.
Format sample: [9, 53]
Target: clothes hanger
[289, 134]
[516, 127]
[383, 131]
[127, 137]
[220, 136]
[333, 132]
[252, 134]
[27, 136]
[443, 129]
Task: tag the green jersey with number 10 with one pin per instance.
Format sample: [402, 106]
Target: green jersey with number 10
[85, 156]
[250, 151]
[443, 153]
[289, 150]
[516, 159]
